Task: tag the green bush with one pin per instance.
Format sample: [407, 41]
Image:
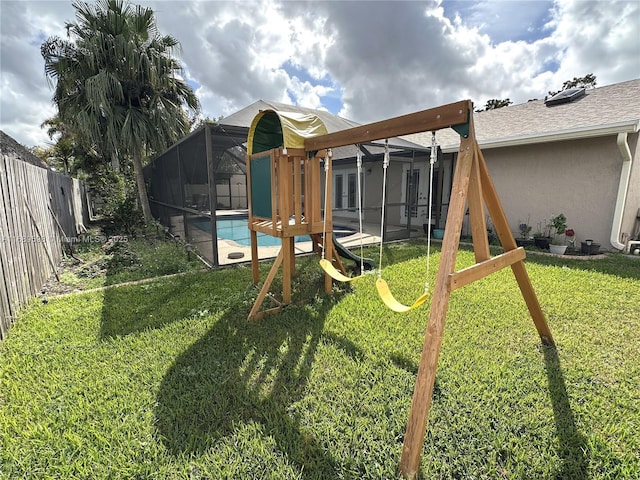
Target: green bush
[125, 217]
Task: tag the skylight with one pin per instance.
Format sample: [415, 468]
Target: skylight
[565, 96]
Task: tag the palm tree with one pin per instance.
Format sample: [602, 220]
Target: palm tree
[118, 85]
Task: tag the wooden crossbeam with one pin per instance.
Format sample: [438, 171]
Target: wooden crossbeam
[253, 314]
[450, 115]
[480, 270]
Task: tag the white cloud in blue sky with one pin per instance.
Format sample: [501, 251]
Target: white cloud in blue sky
[363, 60]
[503, 21]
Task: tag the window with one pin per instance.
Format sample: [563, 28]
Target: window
[411, 187]
[352, 202]
[337, 192]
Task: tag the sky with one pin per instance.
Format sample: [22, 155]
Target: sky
[362, 60]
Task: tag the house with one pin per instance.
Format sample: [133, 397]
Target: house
[580, 157]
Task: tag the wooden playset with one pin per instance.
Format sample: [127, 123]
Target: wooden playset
[284, 175]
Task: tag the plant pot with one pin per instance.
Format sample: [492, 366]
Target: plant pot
[438, 233]
[590, 247]
[542, 242]
[524, 242]
[558, 249]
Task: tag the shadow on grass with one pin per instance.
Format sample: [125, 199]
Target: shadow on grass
[241, 373]
[135, 308]
[572, 442]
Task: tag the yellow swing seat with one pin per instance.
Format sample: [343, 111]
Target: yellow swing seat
[390, 301]
[330, 270]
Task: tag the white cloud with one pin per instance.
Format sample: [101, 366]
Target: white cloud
[308, 95]
[374, 59]
[599, 38]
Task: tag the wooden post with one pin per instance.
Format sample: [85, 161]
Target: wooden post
[255, 261]
[287, 268]
[254, 313]
[423, 391]
[476, 214]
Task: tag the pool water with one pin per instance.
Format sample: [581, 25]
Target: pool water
[237, 229]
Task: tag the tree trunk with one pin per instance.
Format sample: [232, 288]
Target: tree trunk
[142, 188]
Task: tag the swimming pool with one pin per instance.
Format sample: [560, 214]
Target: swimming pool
[237, 229]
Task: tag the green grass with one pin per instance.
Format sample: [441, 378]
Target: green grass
[169, 381]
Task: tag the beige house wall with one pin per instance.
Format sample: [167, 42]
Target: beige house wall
[578, 178]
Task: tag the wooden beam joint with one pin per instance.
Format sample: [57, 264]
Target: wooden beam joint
[480, 270]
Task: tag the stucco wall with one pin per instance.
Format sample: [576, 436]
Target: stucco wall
[578, 178]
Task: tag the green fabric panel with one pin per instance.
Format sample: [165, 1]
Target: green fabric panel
[268, 133]
[261, 187]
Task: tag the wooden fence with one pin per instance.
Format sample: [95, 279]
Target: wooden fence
[39, 209]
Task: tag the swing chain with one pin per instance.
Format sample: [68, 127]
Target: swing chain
[327, 159]
[385, 164]
[432, 162]
[434, 149]
[359, 175]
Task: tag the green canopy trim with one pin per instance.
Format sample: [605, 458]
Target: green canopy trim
[271, 129]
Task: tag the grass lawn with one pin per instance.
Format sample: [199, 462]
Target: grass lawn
[168, 380]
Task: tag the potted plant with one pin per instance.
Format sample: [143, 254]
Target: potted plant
[524, 230]
[543, 235]
[558, 226]
[524, 239]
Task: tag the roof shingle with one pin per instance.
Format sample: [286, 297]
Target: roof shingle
[600, 107]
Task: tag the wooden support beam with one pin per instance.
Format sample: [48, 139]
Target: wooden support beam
[426, 377]
[255, 266]
[297, 189]
[476, 214]
[337, 261]
[328, 221]
[287, 268]
[494, 206]
[480, 270]
[437, 118]
[253, 314]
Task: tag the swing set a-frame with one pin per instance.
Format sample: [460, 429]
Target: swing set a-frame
[282, 168]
